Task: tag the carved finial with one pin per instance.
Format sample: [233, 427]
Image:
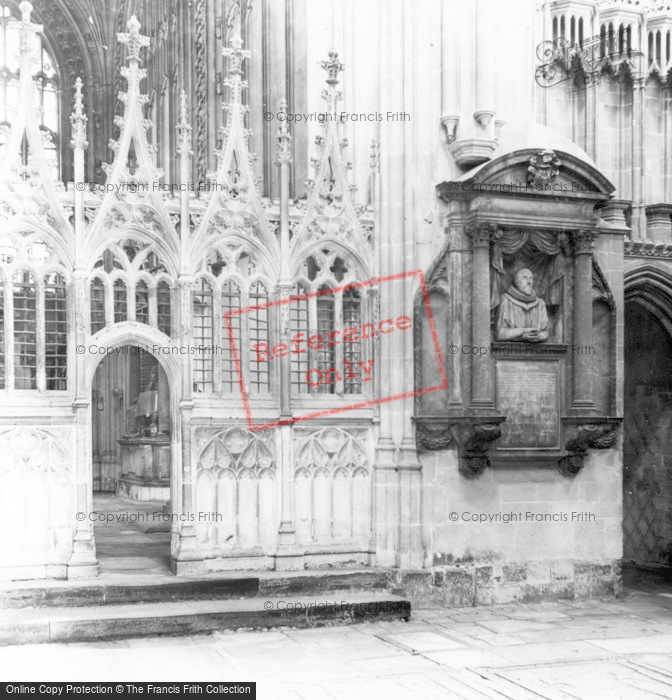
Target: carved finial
[237, 55]
[27, 29]
[283, 137]
[374, 156]
[78, 119]
[184, 128]
[26, 8]
[133, 39]
[333, 67]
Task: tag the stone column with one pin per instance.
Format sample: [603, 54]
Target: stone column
[288, 556]
[481, 366]
[184, 547]
[584, 245]
[638, 219]
[83, 563]
[455, 328]
[391, 215]
[287, 531]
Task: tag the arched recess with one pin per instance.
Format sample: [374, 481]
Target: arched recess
[647, 421]
[148, 339]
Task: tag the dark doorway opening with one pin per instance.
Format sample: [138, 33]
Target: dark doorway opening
[647, 440]
[131, 452]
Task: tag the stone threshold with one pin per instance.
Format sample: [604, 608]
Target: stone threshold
[115, 589]
[106, 622]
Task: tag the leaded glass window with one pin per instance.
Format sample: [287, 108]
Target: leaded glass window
[300, 326]
[352, 350]
[163, 307]
[45, 82]
[97, 291]
[142, 302]
[120, 302]
[25, 331]
[230, 302]
[259, 333]
[56, 332]
[202, 312]
[326, 355]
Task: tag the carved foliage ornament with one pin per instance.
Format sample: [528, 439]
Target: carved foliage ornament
[481, 234]
[584, 241]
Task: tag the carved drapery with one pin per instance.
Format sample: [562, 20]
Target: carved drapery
[544, 252]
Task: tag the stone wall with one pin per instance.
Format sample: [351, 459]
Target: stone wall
[36, 501]
[563, 536]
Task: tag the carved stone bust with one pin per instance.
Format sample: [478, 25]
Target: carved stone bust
[522, 315]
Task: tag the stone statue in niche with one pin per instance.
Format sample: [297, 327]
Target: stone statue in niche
[149, 414]
[522, 315]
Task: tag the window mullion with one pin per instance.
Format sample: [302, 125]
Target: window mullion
[368, 346]
[244, 341]
[130, 300]
[218, 331]
[40, 333]
[338, 354]
[312, 330]
[9, 334]
[108, 286]
[153, 309]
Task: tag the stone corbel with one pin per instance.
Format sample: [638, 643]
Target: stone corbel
[584, 433]
[473, 438]
[471, 435]
[484, 117]
[433, 433]
[450, 123]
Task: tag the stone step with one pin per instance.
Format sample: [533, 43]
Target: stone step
[100, 622]
[122, 589]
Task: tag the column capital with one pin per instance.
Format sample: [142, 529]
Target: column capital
[584, 241]
[480, 234]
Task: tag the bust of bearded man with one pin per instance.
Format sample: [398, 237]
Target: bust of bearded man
[522, 315]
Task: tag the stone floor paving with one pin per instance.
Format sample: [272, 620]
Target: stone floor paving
[580, 650]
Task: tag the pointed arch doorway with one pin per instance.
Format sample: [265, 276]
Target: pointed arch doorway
[647, 422]
[133, 440]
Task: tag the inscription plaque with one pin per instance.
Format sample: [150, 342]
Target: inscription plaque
[527, 393]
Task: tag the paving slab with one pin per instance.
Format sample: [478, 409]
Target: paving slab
[604, 679]
[559, 652]
[471, 658]
[538, 652]
[421, 642]
[661, 643]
